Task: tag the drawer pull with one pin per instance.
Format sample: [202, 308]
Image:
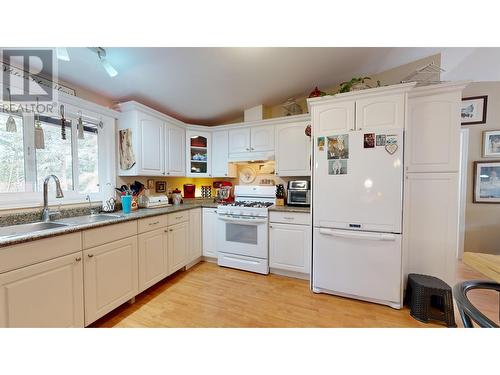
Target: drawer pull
[78, 259]
[156, 222]
[178, 217]
[288, 218]
[90, 255]
[170, 230]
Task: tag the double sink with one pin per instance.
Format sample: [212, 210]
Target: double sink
[41, 226]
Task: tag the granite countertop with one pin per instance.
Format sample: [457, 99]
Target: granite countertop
[290, 209]
[78, 223]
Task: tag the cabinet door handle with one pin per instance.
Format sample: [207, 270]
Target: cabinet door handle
[270, 226]
[165, 231]
[90, 255]
[170, 230]
[77, 259]
[225, 174]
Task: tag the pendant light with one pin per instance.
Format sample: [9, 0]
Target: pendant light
[80, 126]
[10, 125]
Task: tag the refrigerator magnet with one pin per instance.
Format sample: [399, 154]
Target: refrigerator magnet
[321, 143]
[369, 140]
[338, 147]
[337, 166]
[391, 144]
[380, 140]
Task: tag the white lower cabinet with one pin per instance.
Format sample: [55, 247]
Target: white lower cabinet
[178, 242]
[47, 294]
[111, 277]
[153, 257]
[209, 232]
[290, 248]
[194, 251]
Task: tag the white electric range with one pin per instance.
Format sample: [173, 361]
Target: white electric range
[242, 229]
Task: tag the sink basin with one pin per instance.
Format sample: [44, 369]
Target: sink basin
[17, 230]
[87, 219]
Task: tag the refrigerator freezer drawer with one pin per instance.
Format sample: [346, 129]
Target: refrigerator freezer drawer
[363, 265]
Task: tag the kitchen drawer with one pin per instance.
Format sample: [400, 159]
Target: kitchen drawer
[25, 254]
[178, 217]
[151, 223]
[109, 233]
[301, 218]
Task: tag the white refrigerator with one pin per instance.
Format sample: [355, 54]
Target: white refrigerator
[357, 215]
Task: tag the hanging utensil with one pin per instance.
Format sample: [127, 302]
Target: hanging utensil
[10, 125]
[80, 126]
[39, 134]
[63, 122]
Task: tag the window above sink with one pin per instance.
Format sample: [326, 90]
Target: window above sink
[83, 165]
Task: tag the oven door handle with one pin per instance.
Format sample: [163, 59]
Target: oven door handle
[252, 221]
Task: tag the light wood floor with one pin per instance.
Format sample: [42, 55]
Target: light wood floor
[211, 296]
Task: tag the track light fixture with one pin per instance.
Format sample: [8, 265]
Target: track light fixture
[62, 53]
[101, 54]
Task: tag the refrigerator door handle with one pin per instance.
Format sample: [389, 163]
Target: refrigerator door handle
[358, 235]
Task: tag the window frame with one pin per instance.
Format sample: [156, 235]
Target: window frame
[105, 159]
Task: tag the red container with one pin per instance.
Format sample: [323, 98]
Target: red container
[189, 190]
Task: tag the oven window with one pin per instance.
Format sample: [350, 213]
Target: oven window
[299, 196]
[241, 233]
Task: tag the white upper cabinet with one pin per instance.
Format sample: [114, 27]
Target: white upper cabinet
[253, 143]
[239, 140]
[220, 155]
[175, 156]
[151, 145]
[293, 150]
[262, 138]
[380, 112]
[333, 116]
[433, 133]
[198, 154]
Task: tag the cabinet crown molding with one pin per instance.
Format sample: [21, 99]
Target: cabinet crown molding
[361, 94]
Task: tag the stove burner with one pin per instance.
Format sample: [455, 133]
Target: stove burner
[249, 204]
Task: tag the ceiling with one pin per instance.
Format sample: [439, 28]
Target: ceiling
[214, 85]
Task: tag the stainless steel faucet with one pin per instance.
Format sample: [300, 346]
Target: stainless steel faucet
[59, 194]
[93, 211]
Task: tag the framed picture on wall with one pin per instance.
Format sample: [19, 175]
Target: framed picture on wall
[161, 186]
[486, 182]
[491, 144]
[474, 109]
